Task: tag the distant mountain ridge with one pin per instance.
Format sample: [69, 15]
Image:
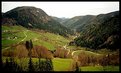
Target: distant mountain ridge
[76, 22]
[31, 17]
[61, 20]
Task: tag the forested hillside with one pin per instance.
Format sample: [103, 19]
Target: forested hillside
[31, 17]
[102, 32]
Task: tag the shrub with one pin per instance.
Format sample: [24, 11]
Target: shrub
[21, 51]
[43, 52]
[87, 59]
[62, 53]
[8, 53]
[83, 58]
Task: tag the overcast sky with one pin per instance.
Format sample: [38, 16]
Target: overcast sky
[67, 9]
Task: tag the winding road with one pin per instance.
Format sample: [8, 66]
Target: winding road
[22, 39]
[72, 53]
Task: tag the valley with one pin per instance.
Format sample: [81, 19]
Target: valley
[60, 63]
[34, 41]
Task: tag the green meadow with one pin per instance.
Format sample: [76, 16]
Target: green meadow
[99, 68]
[49, 40]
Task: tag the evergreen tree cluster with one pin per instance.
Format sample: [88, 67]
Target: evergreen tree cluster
[11, 66]
[44, 65]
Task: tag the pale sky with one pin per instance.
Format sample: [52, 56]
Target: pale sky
[67, 9]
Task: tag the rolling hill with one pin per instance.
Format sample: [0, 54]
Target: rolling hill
[12, 35]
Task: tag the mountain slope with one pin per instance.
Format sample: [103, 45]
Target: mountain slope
[31, 17]
[13, 35]
[102, 32]
[78, 22]
[71, 21]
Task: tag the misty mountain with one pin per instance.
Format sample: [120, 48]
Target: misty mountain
[76, 22]
[61, 20]
[71, 21]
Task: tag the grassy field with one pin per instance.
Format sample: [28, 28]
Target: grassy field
[62, 64]
[100, 68]
[49, 40]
